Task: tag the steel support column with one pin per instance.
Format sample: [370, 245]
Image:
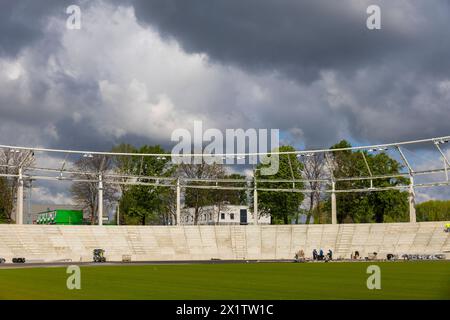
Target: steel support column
[412, 201]
[333, 204]
[19, 200]
[333, 190]
[412, 195]
[255, 199]
[178, 212]
[100, 200]
[118, 214]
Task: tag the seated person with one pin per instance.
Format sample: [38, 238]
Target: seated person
[330, 254]
[321, 254]
[372, 256]
[300, 255]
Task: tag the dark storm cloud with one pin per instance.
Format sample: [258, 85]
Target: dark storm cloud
[375, 86]
[390, 75]
[308, 67]
[22, 22]
[298, 38]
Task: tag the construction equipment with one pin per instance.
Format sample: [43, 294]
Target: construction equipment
[99, 255]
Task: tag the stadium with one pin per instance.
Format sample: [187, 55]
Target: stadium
[212, 152]
[415, 252]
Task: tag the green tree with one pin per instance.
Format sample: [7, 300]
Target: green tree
[433, 210]
[232, 197]
[321, 213]
[142, 204]
[282, 206]
[6, 202]
[364, 207]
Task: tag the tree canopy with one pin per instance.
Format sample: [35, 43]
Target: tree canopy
[143, 204]
[433, 210]
[282, 206]
[363, 207]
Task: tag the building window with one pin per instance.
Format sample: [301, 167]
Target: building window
[222, 216]
[232, 216]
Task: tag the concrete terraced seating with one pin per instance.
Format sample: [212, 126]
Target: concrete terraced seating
[42, 243]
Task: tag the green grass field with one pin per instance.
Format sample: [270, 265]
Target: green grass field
[401, 280]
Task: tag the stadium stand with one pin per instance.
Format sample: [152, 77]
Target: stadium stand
[48, 243]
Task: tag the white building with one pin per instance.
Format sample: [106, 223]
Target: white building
[226, 214]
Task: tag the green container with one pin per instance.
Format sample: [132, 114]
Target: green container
[61, 217]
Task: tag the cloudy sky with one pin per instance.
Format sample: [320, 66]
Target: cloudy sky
[139, 69]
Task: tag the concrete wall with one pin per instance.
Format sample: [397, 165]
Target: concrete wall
[52, 243]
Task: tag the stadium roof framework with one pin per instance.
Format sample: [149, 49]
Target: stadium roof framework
[64, 170]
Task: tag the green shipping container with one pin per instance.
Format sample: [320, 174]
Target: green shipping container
[61, 217]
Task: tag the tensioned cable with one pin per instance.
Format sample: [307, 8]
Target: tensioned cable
[300, 152]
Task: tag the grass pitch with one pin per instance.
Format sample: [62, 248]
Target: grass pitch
[399, 280]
